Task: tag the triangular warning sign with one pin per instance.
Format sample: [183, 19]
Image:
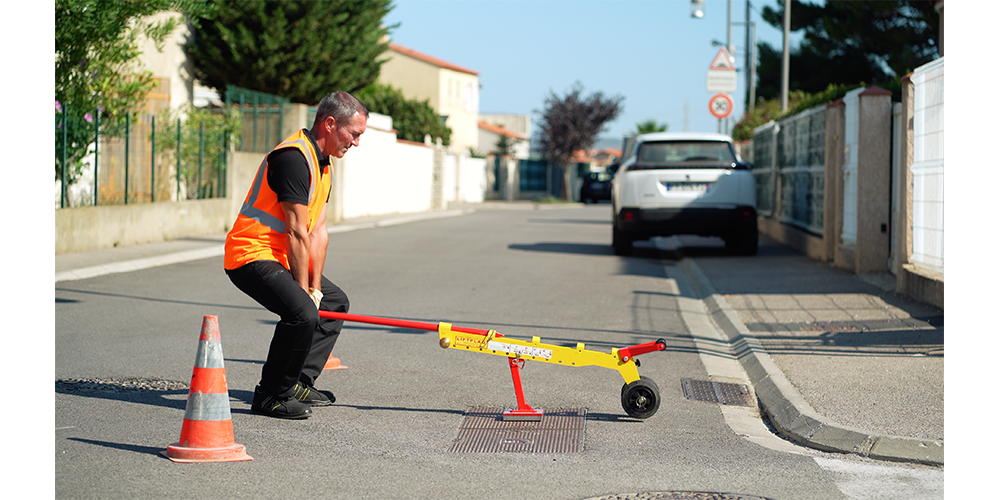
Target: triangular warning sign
[722, 60]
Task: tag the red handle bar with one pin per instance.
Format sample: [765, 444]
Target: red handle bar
[416, 325]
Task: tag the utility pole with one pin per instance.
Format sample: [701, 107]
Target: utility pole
[784, 56]
[729, 27]
[751, 62]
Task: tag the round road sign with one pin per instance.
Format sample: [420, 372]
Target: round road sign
[720, 105]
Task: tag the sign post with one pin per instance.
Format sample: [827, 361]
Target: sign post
[722, 79]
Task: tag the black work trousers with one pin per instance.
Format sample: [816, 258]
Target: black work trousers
[302, 340]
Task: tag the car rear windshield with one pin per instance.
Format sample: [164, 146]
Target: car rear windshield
[686, 152]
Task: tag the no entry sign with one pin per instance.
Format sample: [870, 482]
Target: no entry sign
[720, 105]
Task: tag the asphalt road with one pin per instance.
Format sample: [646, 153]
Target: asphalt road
[545, 272]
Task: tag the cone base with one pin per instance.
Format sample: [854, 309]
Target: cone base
[233, 453]
[333, 364]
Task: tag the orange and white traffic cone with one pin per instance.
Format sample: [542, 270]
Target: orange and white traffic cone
[333, 363]
[207, 433]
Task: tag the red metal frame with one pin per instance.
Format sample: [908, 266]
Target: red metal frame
[523, 411]
[627, 353]
[415, 325]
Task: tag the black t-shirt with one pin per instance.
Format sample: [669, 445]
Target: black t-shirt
[288, 174]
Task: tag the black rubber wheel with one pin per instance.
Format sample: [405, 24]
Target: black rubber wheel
[641, 399]
[743, 242]
[621, 243]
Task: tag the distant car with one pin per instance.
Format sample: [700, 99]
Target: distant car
[684, 183]
[596, 186]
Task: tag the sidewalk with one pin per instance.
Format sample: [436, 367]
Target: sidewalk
[838, 361]
[73, 266]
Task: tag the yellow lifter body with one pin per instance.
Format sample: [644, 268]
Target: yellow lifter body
[494, 343]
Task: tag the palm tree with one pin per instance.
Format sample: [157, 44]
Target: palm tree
[650, 126]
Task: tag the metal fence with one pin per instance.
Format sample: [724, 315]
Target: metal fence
[134, 160]
[764, 167]
[262, 118]
[788, 166]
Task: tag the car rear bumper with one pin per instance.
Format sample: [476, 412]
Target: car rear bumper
[646, 223]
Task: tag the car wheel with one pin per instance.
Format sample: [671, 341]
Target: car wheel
[744, 242]
[621, 243]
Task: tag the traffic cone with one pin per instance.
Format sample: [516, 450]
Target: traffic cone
[333, 363]
[207, 433]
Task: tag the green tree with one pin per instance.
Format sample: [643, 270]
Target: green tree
[297, 49]
[505, 145]
[98, 74]
[798, 101]
[846, 42]
[412, 119]
[650, 126]
[570, 123]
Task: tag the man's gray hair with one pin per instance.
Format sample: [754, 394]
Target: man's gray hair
[341, 106]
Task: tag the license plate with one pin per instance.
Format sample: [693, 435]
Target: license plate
[699, 187]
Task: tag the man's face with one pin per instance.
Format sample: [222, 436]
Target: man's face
[345, 135]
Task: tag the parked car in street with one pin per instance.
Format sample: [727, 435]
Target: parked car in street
[596, 186]
[684, 183]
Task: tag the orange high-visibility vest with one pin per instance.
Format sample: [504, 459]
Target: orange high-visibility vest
[259, 230]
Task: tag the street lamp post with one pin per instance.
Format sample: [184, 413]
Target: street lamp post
[697, 9]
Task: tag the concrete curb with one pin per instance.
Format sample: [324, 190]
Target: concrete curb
[786, 409]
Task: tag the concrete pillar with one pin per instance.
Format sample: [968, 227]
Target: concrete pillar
[335, 207]
[438, 201]
[904, 231]
[874, 179]
[833, 181]
[293, 118]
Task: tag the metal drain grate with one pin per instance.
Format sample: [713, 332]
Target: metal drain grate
[484, 431]
[717, 392]
[677, 495]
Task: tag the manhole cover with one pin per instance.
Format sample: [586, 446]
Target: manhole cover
[484, 431]
[117, 385]
[717, 392]
[677, 495]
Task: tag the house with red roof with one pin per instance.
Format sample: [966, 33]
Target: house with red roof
[490, 135]
[451, 90]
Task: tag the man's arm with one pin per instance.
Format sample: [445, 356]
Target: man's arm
[318, 239]
[299, 246]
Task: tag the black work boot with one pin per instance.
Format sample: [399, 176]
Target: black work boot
[311, 396]
[279, 407]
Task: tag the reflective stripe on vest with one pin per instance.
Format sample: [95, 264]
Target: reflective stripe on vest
[249, 210]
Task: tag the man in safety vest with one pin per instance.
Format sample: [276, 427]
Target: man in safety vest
[276, 250]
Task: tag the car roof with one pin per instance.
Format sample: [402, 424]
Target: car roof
[683, 136]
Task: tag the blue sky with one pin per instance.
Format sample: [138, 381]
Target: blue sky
[652, 52]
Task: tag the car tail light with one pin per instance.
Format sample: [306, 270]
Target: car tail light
[628, 215]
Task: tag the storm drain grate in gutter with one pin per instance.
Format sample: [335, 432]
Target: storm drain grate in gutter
[484, 431]
[717, 392]
[676, 495]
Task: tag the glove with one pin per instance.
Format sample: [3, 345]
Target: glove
[316, 295]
